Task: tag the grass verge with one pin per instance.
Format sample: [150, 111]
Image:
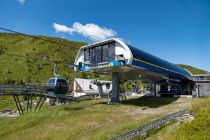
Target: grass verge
[87, 119]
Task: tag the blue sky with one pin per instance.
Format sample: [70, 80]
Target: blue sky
[174, 30]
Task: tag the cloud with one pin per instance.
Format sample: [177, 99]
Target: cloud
[89, 30]
[61, 28]
[22, 2]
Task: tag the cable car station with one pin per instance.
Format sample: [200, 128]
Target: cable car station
[116, 57]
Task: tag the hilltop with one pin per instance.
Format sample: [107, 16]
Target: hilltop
[193, 70]
[21, 69]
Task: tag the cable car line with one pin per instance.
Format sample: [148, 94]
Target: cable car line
[57, 86]
[40, 38]
[39, 59]
[70, 64]
[12, 31]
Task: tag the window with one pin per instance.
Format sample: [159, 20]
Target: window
[87, 54]
[99, 54]
[62, 81]
[51, 81]
[105, 51]
[92, 55]
[112, 51]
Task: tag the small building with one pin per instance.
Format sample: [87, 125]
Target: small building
[91, 87]
[202, 85]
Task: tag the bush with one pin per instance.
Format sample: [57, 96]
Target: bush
[199, 128]
[9, 71]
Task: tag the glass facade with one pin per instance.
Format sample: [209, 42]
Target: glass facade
[87, 55]
[100, 54]
[105, 52]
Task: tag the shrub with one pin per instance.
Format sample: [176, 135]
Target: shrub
[199, 128]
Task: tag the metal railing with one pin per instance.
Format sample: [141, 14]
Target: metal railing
[144, 129]
[14, 87]
[29, 91]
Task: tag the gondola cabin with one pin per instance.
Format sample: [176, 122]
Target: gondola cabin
[57, 87]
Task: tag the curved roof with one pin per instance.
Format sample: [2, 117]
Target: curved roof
[154, 61]
[142, 59]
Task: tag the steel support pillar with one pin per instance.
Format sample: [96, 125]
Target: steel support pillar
[29, 102]
[115, 87]
[18, 101]
[38, 103]
[44, 98]
[17, 104]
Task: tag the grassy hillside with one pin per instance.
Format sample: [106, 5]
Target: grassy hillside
[19, 69]
[199, 128]
[193, 70]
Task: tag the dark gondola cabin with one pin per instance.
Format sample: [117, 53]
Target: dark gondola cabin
[57, 87]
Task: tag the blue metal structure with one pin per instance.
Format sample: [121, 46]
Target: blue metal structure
[115, 56]
[145, 60]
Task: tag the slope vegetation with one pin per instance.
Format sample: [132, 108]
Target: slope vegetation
[199, 128]
[193, 70]
[21, 69]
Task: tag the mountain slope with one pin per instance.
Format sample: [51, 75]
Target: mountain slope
[193, 70]
[20, 69]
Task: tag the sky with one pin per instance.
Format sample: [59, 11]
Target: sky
[175, 30]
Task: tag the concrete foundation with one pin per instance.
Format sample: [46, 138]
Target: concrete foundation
[115, 88]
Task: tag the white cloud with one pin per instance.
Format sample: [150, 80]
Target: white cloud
[22, 2]
[90, 30]
[61, 28]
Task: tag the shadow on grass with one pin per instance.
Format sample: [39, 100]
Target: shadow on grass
[73, 108]
[102, 102]
[151, 102]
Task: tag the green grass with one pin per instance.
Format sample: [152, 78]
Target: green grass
[164, 132]
[6, 102]
[193, 70]
[87, 119]
[17, 69]
[199, 128]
